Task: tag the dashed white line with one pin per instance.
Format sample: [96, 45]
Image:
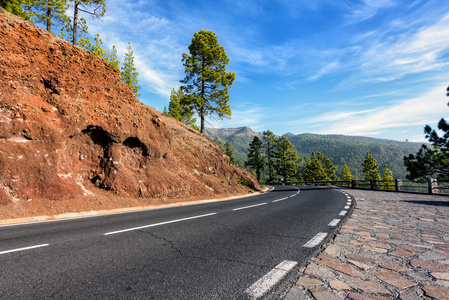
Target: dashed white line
[23, 249]
[264, 284]
[343, 212]
[245, 207]
[334, 222]
[158, 224]
[316, 240]
[280, 199]
[347, 207]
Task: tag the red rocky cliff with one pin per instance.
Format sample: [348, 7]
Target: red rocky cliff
[71, 130]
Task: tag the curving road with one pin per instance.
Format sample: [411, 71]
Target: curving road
[235, 249]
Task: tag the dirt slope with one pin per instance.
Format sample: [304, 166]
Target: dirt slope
[73, 137]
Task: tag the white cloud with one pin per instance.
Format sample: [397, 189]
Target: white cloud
[410, 112]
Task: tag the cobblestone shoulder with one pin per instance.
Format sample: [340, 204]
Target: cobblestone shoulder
[393, 246]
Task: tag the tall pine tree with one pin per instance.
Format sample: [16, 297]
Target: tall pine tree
[48, 12]
[287, 159]
[129, 73]
[207, 82]
[370, 168]
[229, 151]
[256, 157]
[270, 148]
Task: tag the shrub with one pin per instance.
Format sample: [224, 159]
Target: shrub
[244, 181]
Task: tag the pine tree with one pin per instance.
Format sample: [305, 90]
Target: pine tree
[229, 151]
[129, 73]
[256, 157]
[270, 147]
[346, 173]
[431, 162]
[328, 166]
[16, 7]
[94, 8]
[387, 180]
[96, 49]
[207, 82]
[48, 12]
[179, 112]
[313, 170]
[370, 168]
[287, 159]
[112, 57]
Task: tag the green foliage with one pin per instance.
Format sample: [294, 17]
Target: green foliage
[313, 169]
[96, 48]
[244, 181]
[229, 151]
[128, 72]
[430, 163]
[207, 82]
[287, 159]
[48, 12]
[93, 8]
[340, 149]
[270, 148]
[111, 57]
[16, 7]
[328, 166]
[346, 173]
[370, 168]
[387, 180]
[179, 111]
[256, 157]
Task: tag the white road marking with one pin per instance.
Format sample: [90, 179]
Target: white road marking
[22, 249]
[280, 199]
[343, 212]
[316, 240]
[334, 222]
[158, 224]
[347, 207]
[264, 284]
[245, 207]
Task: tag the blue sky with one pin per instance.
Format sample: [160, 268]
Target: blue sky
[356, 67]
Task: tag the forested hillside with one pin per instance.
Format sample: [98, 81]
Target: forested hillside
[339, 148]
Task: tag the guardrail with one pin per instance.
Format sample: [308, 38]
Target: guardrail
[431, 186]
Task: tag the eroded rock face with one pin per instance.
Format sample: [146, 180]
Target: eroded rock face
[69, 127]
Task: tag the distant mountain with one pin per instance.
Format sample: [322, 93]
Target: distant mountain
[227, 132]
[340, 149]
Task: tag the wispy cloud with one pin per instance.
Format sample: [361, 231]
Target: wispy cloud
[419, 111]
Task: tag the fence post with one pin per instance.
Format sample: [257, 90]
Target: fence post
[353, 183]
[398, 185]
[433, 186]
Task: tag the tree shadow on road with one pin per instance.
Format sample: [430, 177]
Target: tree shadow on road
[427, 202]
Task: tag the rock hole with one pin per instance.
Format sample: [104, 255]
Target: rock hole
[135, 143]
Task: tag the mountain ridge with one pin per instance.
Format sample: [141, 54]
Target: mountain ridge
[340, 149]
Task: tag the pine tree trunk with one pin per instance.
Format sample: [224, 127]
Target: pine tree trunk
[203, 91]
[48, 15]
[75, 21]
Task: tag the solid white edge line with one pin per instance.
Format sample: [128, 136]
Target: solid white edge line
[22, 249]
[264, 284]
[343, 212]
[280, 199]
[245, 207]
[334, 222]
[158, 224]
[316, 240]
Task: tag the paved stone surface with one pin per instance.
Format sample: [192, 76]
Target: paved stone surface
[393, 246]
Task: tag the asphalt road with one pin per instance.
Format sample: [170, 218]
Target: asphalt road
[234, 249]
